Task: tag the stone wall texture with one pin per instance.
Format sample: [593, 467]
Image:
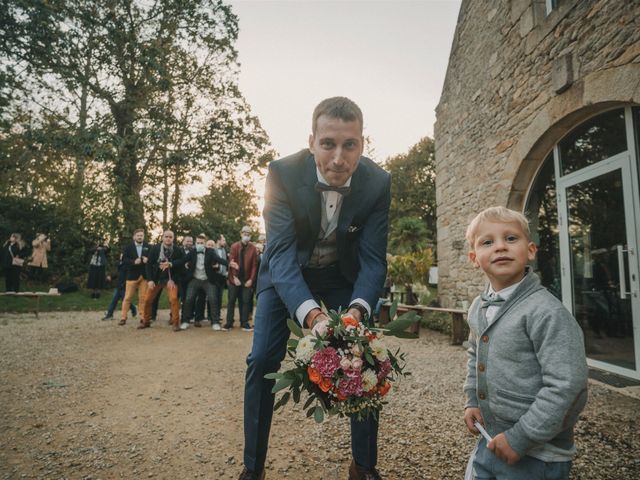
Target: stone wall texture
[517, 81]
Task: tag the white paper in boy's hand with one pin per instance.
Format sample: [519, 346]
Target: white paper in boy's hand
[484, 433]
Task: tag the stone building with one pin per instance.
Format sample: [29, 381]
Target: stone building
[540, 113]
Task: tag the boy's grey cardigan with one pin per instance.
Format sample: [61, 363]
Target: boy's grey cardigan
[527, 371]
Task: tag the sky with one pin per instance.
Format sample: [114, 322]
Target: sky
[390, 57]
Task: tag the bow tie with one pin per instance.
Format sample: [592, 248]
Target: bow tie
[323, 187]
[491, 300]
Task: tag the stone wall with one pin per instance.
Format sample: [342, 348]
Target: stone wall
[517, 81]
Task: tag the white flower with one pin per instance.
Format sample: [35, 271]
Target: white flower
[356, 350]
[345, 363]
[379, 350]
[305, 350]
[356, 363]
[369, 380]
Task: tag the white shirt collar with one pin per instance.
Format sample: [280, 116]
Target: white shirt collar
[322, 179]
[505, 293]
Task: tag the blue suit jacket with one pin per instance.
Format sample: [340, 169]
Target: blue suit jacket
[292, 219]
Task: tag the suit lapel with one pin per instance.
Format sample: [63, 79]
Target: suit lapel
[351, 202]
[309, 196]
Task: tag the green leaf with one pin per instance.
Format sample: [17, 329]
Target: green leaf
[309, 401]
[296, 394]
[273, 376]
[295, 328]
[283, 401]
[311, 411]
[369, 358]
[282, 383]
[393, 309]
[292, 343]
[318, 415]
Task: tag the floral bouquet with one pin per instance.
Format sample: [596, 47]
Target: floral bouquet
[347, 371]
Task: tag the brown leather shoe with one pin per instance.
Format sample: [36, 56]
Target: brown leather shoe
[122, 322]
[144, 325]
[250, 475]
[356, 472]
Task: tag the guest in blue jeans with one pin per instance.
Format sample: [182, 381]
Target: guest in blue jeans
[118, 293]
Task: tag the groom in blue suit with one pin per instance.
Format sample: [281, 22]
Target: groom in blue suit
[326, 216]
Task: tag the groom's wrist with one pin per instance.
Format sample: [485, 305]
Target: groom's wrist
[312, 317]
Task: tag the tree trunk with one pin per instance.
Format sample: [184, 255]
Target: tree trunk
[128, 180]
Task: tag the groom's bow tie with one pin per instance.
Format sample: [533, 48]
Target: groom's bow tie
[323, 187]
[492, 300]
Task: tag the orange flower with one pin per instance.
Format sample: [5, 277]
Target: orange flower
[314, 375]
[325, 385]
[384, 389]
[349, 320]
[371, 336]
[341, 397]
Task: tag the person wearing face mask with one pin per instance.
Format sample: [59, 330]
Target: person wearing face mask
[185, 278]
[202, 262]
[241, 280]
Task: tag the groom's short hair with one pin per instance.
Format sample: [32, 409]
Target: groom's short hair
[337, 107]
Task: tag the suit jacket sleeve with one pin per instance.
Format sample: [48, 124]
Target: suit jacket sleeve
[284, 269]
[129, 255]
[372, 250]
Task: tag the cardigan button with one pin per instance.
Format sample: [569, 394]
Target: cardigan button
[482, 396]
[481, 367]
[485, 338]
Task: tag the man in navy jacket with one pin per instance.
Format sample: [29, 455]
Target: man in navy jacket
[326, 216]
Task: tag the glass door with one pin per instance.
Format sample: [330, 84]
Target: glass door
[600, 260]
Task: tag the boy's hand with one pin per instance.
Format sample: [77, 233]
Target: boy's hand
[472, 414]
[501, 448]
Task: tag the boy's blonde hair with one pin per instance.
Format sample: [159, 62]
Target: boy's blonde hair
[496, 214]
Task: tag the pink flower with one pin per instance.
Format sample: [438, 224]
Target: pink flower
[351, 384]
[384, 369]
[326, 361]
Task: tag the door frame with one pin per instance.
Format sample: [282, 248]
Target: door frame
[627, 163]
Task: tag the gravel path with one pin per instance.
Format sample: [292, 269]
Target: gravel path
[85, 399]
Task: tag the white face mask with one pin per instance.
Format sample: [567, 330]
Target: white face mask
[246, 238]
[199, 248]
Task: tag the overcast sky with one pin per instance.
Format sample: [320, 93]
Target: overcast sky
[390, 57]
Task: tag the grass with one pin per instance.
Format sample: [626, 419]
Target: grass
[76, 301]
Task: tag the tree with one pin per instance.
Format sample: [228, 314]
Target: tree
[224, 210]
[148, 90]
[413, 198]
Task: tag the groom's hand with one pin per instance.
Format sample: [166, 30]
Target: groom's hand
[472, 414]
[317, 321]
[355, 313]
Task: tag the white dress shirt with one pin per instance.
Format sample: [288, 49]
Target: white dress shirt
[332, 203]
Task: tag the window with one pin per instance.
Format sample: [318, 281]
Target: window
[551, 5]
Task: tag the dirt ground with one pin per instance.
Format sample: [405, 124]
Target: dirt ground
[86, 399]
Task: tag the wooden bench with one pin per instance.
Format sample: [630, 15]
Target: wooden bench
[35, 295]
[457, 318]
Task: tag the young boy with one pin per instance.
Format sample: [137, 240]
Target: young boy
[527, 373]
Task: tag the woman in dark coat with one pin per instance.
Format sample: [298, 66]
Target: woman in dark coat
[97, 267]
[14, 253]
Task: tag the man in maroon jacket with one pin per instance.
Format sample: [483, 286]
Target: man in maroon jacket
[241, 281]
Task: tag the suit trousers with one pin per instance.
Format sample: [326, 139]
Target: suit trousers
[196, 287]
[139, 284]
[152, 293]
[269, 348]
[244, 296]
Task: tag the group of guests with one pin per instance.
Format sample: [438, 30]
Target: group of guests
[16, 256]
[194, 275]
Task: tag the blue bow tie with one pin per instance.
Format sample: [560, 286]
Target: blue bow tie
[491, 300]
[323, 187]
